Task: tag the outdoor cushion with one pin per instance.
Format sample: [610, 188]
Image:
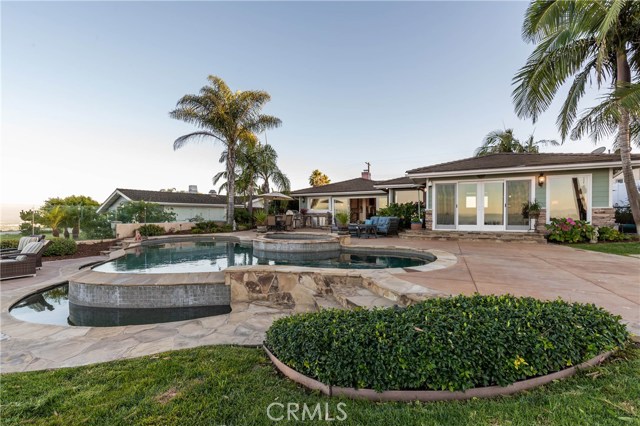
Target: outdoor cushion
[33, 247]
[368, 222]
[24, 241]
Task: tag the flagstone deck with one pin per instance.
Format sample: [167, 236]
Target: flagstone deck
[542, 271]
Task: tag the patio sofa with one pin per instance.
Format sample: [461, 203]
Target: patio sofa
[386, 225]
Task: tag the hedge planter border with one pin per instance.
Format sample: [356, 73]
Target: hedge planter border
[428, 396]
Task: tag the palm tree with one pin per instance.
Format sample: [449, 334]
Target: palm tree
[227, 117]
[504, 141]
[256, 162]
[532, 146]
[318, 178]
[267, 169]
[583, 41]
[53, 217]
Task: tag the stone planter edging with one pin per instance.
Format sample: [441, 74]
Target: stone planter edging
[428, 396]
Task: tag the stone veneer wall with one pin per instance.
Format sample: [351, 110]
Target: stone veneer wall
[148, 296]
[428, 220]
[540, 224]
[288, 290]
[600, 216]
[603, 216]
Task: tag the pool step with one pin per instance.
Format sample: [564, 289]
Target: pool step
[355, 297]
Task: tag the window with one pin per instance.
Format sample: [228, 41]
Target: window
[568, 197]
[319, 204]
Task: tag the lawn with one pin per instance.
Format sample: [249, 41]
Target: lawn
[612, 248]
[225, 385]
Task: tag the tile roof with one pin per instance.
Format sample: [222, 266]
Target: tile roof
[512, 160]
[404, 180]
[174, 197]
[351, 185]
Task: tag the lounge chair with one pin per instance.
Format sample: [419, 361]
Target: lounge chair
[10, 267]
[34, 247]
[21, 243]
[23, 263]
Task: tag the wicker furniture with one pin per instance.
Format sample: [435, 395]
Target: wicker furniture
[11, 267]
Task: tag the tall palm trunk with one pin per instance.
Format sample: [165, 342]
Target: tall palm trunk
[250, 201]
[624, 140]
[231, 183]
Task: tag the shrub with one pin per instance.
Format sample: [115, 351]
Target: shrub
[241, 216]
[569, 231]
[9, 243]
[451, 343]
[207, 227]
[60, 247]
[261, 217]
[623, 215]
[402, 211]
[606, 233]
[210, 227]
[151, 230]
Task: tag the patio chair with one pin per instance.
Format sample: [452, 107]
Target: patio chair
[288, 222]
[271, 222]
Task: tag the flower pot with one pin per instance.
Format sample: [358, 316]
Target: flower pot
[261, 229]
[416, 226]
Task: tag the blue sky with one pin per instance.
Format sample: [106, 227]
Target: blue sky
[87, 87]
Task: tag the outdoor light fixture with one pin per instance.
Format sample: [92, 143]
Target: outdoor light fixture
[541, 179]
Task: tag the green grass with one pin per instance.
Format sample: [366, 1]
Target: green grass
[234, 386]
[612, 248]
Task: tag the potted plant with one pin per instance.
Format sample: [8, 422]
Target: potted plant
[531, 211]
[416, 222]
[261, 220]
[342, 220]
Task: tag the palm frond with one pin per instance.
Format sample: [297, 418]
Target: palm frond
[193, 137]
[569, 109]
[552, 62]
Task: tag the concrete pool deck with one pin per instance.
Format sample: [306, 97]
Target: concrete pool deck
[523, 269]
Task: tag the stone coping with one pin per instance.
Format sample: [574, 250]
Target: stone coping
[429, 395]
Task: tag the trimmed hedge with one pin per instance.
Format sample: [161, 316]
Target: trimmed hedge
[9, 243]
[60, 247]
[151, 230]
[452, 343]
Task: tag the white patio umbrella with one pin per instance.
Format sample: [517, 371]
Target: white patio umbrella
[269, 196]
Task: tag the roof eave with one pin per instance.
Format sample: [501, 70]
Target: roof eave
[310, 194]
[526, 169]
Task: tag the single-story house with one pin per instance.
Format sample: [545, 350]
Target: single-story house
[486, 193]
[402, 190]
[186, 205]
[360, 197]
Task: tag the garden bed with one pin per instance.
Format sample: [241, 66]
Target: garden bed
[445, 344]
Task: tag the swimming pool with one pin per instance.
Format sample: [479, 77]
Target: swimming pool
[215, 256]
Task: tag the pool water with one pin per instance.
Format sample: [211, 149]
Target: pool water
[52, 306]
[209, 256]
